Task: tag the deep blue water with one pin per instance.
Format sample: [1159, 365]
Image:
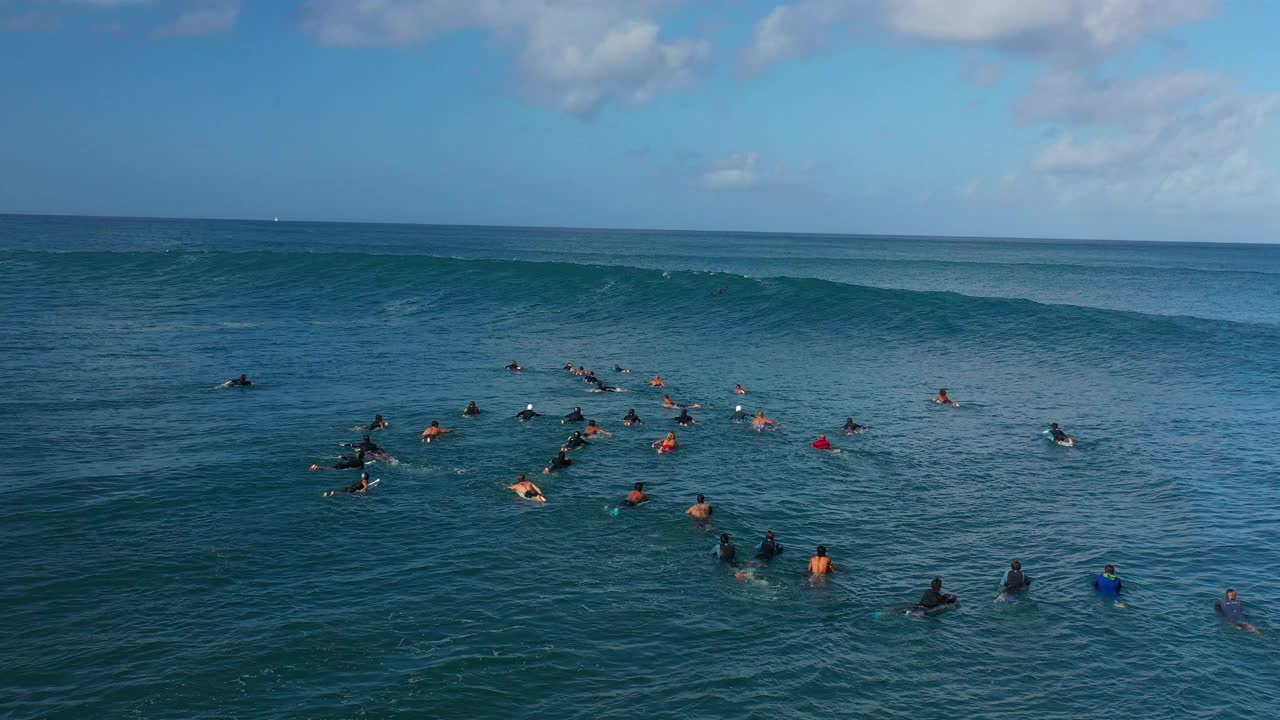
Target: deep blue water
[167, 554]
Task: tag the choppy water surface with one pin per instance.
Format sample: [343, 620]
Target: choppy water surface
[168, 555]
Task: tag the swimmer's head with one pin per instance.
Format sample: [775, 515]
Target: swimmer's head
[822, 551]
[1110, 569]
[435, 423]
[577, 409]
[591, 423]
[724, 538]
[768, 535]
[936, 584]
[1053, 426]
[1015, 565]
[639, 486]
[367, 439]
[529, 406]
[702, 498]
[364, 476]
[1232, 594]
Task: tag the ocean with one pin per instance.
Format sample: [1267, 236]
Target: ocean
[167, 553]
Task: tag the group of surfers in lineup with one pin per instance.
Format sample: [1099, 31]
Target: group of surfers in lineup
[1012, 583]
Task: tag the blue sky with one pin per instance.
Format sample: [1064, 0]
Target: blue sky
[1130, 119]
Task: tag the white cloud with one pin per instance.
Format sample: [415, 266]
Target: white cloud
[1078, 98]
[576, 55]
[203, 17]
[743, 170]
[1064, 30]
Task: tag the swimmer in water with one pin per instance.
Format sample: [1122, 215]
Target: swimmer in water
[575, 441]
[366, 445]
[769, 547]
[668, 403]
[242, 381]
[700, 510]
[738, 414]
[1232, 611]
[822, 443]
[619, 368]
[345, 463]
[1013, 581]
[514, 366]
[377, 424]
[726, 551]
[632, 418]
[594, 429]
[636, 496]
[472, 409]
[942, 399]
[527, 489]
[559, 462]
[568, 366]
[657, 381]
[433, 432]
[590, 378]
[666, 444]
[738, 389]
[684, 418]
[720, 292]
[853, 428]
[527, 414]
[760, 422]
[820, 564]
[1108, 584]
[934, 597]
[1058, 435]
[573, 417]
[359, 486]
[601, 387]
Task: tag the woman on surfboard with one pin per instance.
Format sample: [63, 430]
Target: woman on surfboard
[942, 399]
[666, 444]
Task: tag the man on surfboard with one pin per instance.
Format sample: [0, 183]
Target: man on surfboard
[636, 496]
[942, 399]
[700, 510]
[527, 490]
[434, 432]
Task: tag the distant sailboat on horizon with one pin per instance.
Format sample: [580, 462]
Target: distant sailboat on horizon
[275, 219]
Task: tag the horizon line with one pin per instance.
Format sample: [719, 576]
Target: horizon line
[997, 238]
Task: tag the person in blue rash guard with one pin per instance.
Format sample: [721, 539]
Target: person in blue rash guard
[1108, 584]
[1013, 580]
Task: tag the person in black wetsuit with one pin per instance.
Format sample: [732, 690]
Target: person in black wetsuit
[576, 441]
[601, 387]
[1058, 434]
[590, 377]
[345, 463]
[573, 417]
[1232, 611]
[359, 486]
[1013, 580]
[853, 428]
[559, 462]
[684, 418]
[769, 547]
[619, 368]
[514, 366]
[366, 445]
[726, 551]
[527, 414]
[472, 409]
[934, 597]
[632, 418]
[242, 381]
[377, 424]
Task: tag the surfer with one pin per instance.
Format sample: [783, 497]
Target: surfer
[1059, 436]
[738, 414]
[514, 366]
[1232, 611]
[631, 418]
[820, 564]
[657, 381]
[726, 551]
[377, 424]
[670, 404]
[527, 490]
[853, 428]
[934, 597]
[573, 417]
[738, 389]
[666, 444]
[769, 547]
[527, 414]
[720, 292]
[590, 377]
[601, 387]
[345, 462]
[942, 399]
[593, 429]
[359, 486]
[700, 510]
[1108, 584]
[242, 381]
[559, 462]
[684, 418]
[433, 432]
[366, 445]
[619, 368]
[575, 441]
[822, 443]
[472, 409]
[760, 422]
[1013, 580]
[568, 366]
[636, 496]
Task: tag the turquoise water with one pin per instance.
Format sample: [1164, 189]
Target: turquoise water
[168, 555]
